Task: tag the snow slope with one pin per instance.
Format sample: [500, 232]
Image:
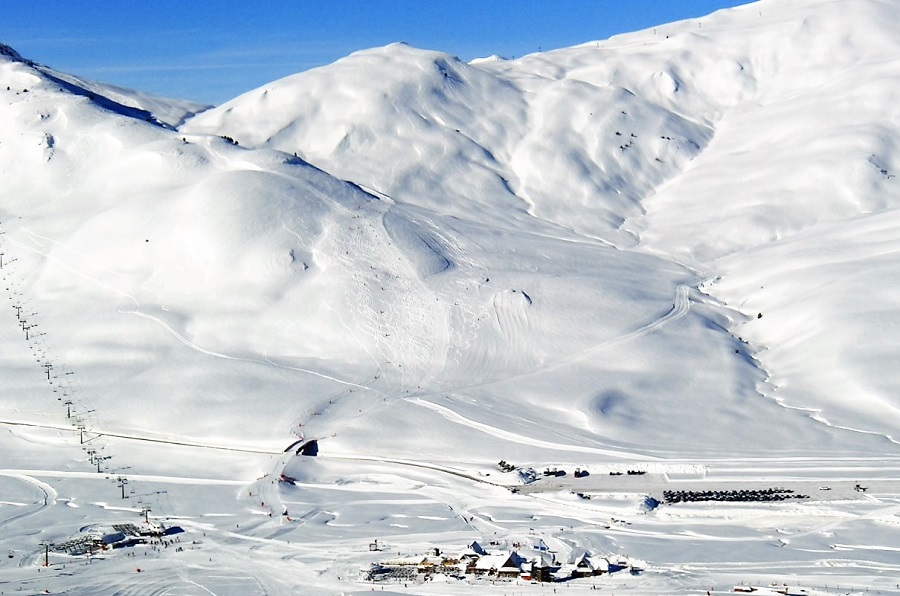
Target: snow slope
[694, 140]
[671, 251]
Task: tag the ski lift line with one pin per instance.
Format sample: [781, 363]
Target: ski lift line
[137, 438]
[36, 425]
[105, 478]
[185, 443]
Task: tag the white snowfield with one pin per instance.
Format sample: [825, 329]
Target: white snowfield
[674, 253]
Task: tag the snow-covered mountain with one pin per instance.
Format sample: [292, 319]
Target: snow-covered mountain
[701, 142]
[675, 249]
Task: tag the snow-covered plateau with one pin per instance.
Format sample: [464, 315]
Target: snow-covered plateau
[621, 316]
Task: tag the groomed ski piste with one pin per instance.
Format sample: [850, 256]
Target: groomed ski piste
[623, 314]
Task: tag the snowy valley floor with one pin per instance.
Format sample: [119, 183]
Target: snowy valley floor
[259, 520]
[237, 540]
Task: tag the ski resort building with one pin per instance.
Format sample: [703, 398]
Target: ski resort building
[509, 564]
[588, 566]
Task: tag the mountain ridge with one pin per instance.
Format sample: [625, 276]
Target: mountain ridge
[672, 254]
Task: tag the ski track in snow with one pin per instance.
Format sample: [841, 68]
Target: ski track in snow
[48, 492]
[391, 307]
[680, 307]
[94, 476]
[265, 361]
[515, 438]
[160, 322]
[41, 250]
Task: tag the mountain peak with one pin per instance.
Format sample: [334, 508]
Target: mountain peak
[11, 54]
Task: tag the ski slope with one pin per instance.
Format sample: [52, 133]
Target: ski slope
[672, 251]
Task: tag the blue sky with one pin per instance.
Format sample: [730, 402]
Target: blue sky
[213, 51]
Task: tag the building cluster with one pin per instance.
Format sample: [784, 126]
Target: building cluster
[475, 562]
[118, 536]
